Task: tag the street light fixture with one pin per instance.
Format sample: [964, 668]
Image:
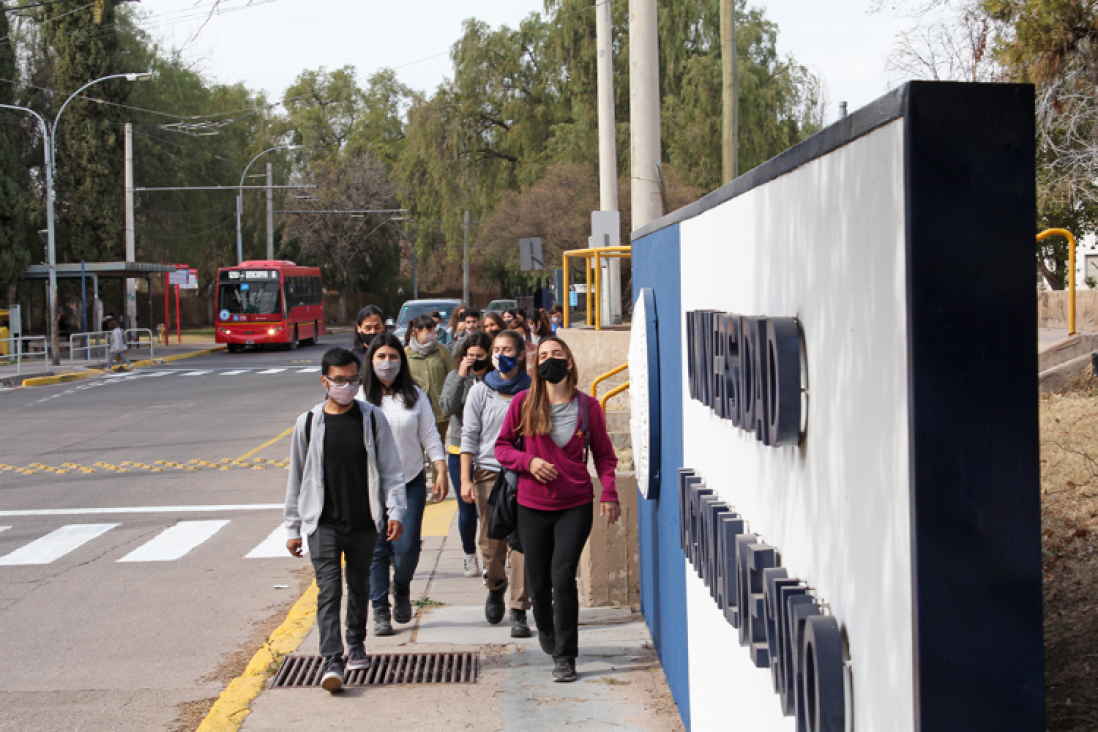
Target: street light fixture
[49, 143]
[240, 197]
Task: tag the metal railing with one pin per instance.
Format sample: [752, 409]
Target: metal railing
[16, 345]
[616, 390]
[592, 260]
[1071, 271]
[100, 335]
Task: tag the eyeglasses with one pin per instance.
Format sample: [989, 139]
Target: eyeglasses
[340, 381]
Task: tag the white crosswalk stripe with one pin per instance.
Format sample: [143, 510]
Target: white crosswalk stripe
[234, 373]
[175, 541]
[310, 370]
[196, 373]
[56, 544]
[274, 546]
[271, 371]
[171, 544]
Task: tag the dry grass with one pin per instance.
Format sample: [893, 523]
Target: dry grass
[1069, 533]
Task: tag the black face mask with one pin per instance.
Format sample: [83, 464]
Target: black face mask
[365, 339]
[480, 364]
[553, 370]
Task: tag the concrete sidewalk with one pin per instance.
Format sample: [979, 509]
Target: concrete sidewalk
[620, 686]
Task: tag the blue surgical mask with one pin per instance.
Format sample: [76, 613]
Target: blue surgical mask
[504, 364]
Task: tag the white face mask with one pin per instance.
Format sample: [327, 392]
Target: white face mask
[427, 337]
[342, 394]
[387, 370]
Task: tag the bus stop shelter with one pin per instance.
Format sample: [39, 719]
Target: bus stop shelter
[95, 271]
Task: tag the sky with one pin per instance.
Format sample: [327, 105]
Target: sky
[267, 44]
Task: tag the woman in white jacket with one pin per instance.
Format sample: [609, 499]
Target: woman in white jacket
[388, 385]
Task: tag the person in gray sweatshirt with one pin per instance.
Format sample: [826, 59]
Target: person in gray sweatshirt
[473, 357]
[485, 408]
[346, 487]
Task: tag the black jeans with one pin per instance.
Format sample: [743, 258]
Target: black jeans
[327, 546]
[552, 542]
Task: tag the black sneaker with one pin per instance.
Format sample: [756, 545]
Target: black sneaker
[565, 670]
[357, 660]
[547, 640]
[519, 628]
[383, 622]
[332, 680]
[402, 603]
[494, 607]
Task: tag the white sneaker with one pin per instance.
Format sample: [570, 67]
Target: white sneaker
[472, 567]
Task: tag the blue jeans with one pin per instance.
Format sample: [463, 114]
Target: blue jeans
[403, 554]
[467, 512]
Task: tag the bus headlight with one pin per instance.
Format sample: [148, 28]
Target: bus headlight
[270, 331]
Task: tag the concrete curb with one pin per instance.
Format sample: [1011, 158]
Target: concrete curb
[234, 704]
[77, 375]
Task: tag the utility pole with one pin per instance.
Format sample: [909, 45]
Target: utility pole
[730, 73]
[610, 297]
[644, 111]
[270, 213]
[131, 243]
[465, 261]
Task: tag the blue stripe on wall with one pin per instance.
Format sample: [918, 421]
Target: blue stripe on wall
[656, 264]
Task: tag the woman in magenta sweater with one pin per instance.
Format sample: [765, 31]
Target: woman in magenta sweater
[555, 492]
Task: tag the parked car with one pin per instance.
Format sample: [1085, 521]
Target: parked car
[412, 309]
[501, 305]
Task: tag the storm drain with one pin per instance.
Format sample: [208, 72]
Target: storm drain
[385, 668]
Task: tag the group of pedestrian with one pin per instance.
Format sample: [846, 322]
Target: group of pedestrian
[500, 391]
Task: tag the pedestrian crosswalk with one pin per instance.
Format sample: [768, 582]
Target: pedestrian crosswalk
[172, 543]
[256, 371]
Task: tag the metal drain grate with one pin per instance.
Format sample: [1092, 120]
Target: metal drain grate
[385, 668]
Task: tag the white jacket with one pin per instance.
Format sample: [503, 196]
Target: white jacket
[118, 341]
[305, 487]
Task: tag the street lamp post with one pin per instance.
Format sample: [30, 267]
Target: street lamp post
[240, 197]
[49, 142]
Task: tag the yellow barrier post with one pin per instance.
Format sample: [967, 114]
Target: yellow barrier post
[567, 294]
[587, 270]
[1071, 271]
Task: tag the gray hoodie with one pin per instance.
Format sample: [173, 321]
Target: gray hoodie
[452, 401]
[305, 487]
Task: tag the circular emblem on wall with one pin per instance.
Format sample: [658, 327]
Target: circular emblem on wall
[223, 315]
[644, 394]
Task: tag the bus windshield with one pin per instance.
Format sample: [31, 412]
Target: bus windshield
[251, 298]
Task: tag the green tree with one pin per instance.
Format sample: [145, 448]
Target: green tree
[16, 203]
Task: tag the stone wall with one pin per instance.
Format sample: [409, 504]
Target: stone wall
[1052, 310]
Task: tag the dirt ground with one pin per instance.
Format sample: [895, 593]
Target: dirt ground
[1069, 533]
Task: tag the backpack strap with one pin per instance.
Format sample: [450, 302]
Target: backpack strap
[308, 429]
[585, 424]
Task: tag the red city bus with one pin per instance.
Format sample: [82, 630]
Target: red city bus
[269, 302]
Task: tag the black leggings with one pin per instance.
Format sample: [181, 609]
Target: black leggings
[552, 542]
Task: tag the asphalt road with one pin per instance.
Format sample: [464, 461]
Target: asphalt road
[122, 589]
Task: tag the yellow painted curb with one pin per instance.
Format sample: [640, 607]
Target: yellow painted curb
[62, 378]
[77, 375]
[234, 704]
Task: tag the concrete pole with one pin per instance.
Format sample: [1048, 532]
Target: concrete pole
[644, 111]
[465, 264]
[608, 156]
[131, 239]
[270, 213]
[730, 72]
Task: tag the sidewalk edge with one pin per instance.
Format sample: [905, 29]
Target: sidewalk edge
[77, 375]
[234, 704]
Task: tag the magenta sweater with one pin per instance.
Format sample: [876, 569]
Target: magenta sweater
[572, 486]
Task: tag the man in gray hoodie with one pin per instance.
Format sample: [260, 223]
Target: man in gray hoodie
[346, 487]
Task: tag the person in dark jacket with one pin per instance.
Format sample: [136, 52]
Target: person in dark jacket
[555, 492]
[370, 322]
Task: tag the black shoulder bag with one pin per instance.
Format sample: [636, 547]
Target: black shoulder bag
[503, 501]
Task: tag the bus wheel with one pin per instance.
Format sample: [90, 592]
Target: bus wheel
[234, 348]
